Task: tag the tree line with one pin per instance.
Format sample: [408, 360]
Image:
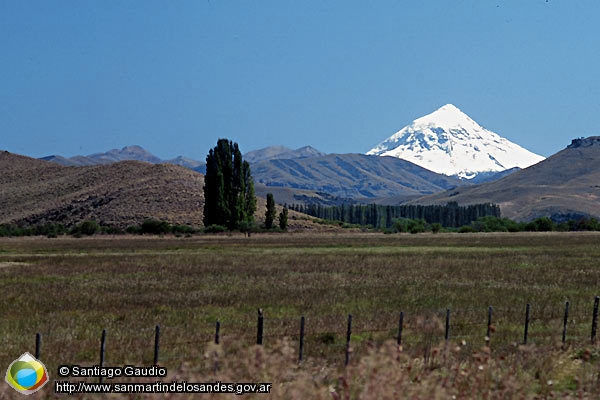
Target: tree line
[450, 215]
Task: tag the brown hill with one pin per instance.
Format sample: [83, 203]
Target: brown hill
[35, 191]
[565, 185]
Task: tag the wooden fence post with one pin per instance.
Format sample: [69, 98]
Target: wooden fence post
[400, 327]
[156, 343]
[38, 340]
[447, 334]
[260, 327]
[565, 322]
[595, 319]
[527, 313]
[301, 350]
[217, 331]
[348, 334]
[488, 335]
[102, 350]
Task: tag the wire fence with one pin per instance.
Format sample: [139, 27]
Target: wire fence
[340, 337]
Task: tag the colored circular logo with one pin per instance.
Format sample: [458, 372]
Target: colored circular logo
[26, 374]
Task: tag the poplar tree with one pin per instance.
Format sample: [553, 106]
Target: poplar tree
[271, 212]
[229, 198]
[283, 219]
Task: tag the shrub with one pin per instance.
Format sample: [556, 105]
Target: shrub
[215, 229]
[49, 229]
[543, 224]
[154, 226]
[88, 228]
[583, 224]
[401, 225]
[112, 230]
[416, 226]
[183, 229]
[489, 224]
[14, 230]
[133, 229]
[4, 230]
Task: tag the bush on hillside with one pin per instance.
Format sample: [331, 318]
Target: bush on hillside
[154, 226]
[87, 228]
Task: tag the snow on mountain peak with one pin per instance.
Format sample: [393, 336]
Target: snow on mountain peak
[449, 142]
[448, 116]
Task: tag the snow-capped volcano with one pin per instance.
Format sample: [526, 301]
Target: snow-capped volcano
[448, 142]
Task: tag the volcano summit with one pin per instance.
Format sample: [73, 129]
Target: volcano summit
[448, 142]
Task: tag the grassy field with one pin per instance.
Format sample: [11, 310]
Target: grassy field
[69, 290]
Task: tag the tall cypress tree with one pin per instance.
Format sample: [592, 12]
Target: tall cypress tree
[271, 212]
[283, 219]
[229, 198]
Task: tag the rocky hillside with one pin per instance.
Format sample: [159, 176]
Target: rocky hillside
[120, 194]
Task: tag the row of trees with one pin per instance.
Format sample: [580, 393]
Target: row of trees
[157, 227]
[379, 216]
[542, 224]
[271, 212]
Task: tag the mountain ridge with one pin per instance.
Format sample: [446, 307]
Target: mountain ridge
[563, 186]
[281, 152]
[306, 175]
[138, 153]
[356, 176]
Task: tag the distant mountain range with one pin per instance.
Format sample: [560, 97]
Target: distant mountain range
[564, 186]
[309, 175]
[137, 153]
[441, 157]
[448, 142]
[128, 153]
[281, 153]
[352, 176]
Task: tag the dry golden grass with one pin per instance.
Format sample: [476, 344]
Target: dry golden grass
[70, 289]
[384, 372]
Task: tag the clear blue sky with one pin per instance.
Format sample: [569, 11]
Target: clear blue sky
[79, 76]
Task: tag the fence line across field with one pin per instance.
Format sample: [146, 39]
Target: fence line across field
[260, 332]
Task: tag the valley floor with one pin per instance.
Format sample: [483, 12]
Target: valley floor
[69, 290]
